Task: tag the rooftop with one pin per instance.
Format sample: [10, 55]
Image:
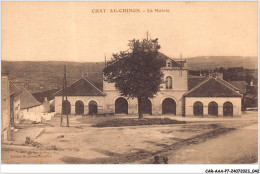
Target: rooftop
[213, 87]
[81, 87]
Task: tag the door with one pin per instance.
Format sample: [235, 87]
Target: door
[169, 106]
[147, 106]
[92, 107]
[213, 109]
[198, 109]
[228, 109]
[66, 108]
[79, 107]
[121, 106]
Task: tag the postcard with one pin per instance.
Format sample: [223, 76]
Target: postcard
[129, 83]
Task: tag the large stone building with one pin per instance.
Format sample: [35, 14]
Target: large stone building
[179, 95]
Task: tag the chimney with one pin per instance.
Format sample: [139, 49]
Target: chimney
[252, 83]
[45, 99]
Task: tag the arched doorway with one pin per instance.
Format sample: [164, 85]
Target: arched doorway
[198, 109]
[66, 108]
[79, 107]
[121, 106]
[92, 105]
[147, 106]
[169, 106]
[228, 109]
[213, 108]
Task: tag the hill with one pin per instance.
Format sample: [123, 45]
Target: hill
[212, 62]
[39, 76]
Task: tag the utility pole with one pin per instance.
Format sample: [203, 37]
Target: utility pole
[105, 60]
[66, 95]
[62, 103]
[181, 63]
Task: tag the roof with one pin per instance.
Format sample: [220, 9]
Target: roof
[251, 96]
[228, 84]
[194, 81]
[81, 87]
[213, 87]
[27, 100]
[241, 85]
[14, 89]
[41, 95]
[164, 57]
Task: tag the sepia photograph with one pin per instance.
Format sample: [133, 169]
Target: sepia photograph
[129, 82]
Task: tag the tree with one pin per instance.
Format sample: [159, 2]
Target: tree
[137, 71]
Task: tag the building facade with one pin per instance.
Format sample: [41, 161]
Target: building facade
[5, 109]
[178, 96]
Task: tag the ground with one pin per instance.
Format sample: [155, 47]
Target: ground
[199, 141]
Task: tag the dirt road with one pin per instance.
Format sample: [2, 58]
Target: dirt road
[202, 140]
[239, 146]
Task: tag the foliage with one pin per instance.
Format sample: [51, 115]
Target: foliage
[136, 72]
[136, 122]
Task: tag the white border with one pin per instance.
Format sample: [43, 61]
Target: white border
[131, 168]
[170, 168]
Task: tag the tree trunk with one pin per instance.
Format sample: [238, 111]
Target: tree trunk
[140, 109]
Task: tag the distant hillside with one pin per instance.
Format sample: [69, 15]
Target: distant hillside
[212, 62]
[41, 76]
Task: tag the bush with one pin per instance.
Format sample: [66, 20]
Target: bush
[137, 122]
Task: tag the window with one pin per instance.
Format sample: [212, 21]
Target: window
[168, 82]
[168, 63]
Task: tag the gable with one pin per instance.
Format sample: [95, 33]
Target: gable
[228, 84]
[81, 87]
[212, 87]
[166, 59]
[27, 100]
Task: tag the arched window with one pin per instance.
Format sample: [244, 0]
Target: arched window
[168, 82]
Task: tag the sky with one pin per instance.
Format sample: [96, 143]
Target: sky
[82, 32]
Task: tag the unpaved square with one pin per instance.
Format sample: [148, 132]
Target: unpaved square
[83, 144]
